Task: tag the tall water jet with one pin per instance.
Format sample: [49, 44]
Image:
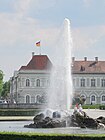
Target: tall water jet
[60, 94]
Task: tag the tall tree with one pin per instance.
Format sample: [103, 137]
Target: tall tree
[6, 89]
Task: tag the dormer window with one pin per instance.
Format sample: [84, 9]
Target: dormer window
[82, 68]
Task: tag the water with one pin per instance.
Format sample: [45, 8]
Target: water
[60, 94]
[18, 126]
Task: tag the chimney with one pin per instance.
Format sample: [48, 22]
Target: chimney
[96, 59]
[73, 59]
[32, 54]
[85, 58]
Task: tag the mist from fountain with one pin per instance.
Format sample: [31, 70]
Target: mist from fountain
[60, 93]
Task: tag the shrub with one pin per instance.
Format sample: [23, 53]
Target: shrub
[18, 112]
[102, 107]
[90, 106]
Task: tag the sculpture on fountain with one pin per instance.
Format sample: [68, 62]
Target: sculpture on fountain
[56, 119]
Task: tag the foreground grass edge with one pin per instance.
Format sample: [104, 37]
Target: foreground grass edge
[29, 134]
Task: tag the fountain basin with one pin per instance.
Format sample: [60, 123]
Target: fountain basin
[78, 118]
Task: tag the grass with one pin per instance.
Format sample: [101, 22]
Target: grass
[51, 134]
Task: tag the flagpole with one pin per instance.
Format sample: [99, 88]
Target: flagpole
[40, 50]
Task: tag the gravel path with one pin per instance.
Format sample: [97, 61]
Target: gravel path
[95, 113]
[16, 118]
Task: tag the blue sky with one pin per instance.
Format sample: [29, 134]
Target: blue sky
[23, 22]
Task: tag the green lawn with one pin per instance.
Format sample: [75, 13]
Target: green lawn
[38, 136]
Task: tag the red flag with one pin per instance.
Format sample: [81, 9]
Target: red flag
[38, 44]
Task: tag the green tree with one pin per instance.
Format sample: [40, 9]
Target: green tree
[6, 89]
[1, 81]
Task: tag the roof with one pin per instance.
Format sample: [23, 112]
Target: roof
[38, 62]
[88, 67]
[42, 62]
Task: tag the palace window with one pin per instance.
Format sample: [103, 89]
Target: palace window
[38, 82]
[103, 98]
[93, 82]
[27, 82]
[48, 82]
[93, 98]
[103, 82]
[82, 82]
[38, 99]
[27, 99]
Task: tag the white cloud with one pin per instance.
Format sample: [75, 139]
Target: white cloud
[87, 37]
[19, 27]
[87, 3]
[22, 6]
[14, 29]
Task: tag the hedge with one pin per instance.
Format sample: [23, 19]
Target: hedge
[102, 107]
[91, 106]
[18, 112]
[33, 136]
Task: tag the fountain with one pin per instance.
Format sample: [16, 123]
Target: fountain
[61, 79]
[60, 94]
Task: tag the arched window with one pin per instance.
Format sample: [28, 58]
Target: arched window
[83, 96]
[27, 99]
[103, 98]
[38, 99]
[27, 82]
[93, 98]
[38, 82]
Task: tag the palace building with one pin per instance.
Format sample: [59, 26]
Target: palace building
[31, 83]
[89, 80]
